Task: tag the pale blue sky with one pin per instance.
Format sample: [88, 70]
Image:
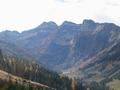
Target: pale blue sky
[25, 14]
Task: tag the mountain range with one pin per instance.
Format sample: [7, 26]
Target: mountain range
[88, 51]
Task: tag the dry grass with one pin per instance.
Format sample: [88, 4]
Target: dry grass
[6, 76]
[114, 85]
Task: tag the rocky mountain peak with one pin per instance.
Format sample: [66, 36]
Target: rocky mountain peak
[88, 21]
[88, 24]
[50, 24]
[67, 25]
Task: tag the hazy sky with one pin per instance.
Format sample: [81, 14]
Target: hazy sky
[25, 14]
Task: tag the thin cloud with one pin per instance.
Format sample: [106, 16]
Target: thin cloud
[70, 1]
[113, 4]
[63, 1]
[79, 1]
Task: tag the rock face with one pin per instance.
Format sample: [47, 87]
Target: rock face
[65, 46]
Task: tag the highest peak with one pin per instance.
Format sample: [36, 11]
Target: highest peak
[50, 23]
[88, 21]
[68, 23]
[88, 24]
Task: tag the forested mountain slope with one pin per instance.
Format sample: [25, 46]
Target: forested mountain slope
[29, 70]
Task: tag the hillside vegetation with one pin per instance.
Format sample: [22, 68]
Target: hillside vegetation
[31, 71]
